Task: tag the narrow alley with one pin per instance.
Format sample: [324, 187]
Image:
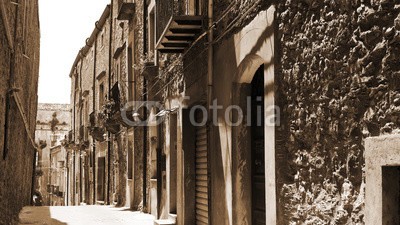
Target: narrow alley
[88, 215]
[200, 112]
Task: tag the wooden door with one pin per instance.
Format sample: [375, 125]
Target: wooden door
[101, 172]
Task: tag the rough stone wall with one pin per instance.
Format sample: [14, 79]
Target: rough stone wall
[19, 66]
[339, 80]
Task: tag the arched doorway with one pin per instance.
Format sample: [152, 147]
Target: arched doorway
[258, 148]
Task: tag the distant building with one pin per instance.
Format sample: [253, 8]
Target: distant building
[19, 72]
[58, 176]
[52, 126]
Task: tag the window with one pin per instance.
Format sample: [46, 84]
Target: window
[130, 156]
[194, 7]
[101, 95]
[86, 117]
[130, 74]
[151, 31]
[102, 39]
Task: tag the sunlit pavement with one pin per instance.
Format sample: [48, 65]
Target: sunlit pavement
[85, 215]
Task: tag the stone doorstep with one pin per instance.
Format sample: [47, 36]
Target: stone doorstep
[172, 217]
[171, 220]
[164, 222]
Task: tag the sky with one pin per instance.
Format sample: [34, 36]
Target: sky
[64, 25]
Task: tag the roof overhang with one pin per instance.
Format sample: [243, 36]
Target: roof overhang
[180, 33]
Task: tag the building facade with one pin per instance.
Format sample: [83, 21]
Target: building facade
[19, 71]
[241, 112]
[58, 176]
[52, 128]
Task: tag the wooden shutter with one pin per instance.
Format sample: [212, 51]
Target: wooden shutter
[201, 176]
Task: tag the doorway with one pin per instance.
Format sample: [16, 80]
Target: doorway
[101, 178]
[173, 120]
[391, 194]
[258, 148]
[201, 173]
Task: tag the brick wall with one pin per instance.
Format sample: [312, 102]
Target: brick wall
[17, 156]
[339, 83]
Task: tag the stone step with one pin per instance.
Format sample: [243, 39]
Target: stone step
[164, 222]
[172, 217]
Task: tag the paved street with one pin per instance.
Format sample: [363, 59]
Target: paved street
[83, 215]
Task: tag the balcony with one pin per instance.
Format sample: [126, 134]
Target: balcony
[95, 129]
[126, 9]
[180, 32]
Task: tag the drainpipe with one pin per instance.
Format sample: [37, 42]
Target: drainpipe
[109, 94]
[67, 184]
[50, 171]
[80, 125]
[73, 177]
[94, 111]
[210, 51]
[210, 83]
[11, 82]
[145, 50]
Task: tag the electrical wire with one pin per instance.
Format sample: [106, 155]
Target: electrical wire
[175, 63]
[236, 21]
[225, 32]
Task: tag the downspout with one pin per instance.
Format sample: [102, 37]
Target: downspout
[210, 69]
[145, 112]
[109, 94]
[80, 123]
[73, 150]
[73, 177]
[67, 185]
[94, 111]
[50, 171]
[210, 52]
[10, 83]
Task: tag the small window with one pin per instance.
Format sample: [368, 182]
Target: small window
[101, 95]
[151, 31]
[194, 7]
[130, 157]
[198, 4]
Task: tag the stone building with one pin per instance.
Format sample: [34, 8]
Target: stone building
[89, 88]
[292, 92]
[101, 171]
[52, 127]
[58, 176]
[19, 70]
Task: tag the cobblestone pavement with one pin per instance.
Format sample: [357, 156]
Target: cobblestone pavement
[83, 215]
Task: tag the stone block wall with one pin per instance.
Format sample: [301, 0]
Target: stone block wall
[339, 83]
[19, 67]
